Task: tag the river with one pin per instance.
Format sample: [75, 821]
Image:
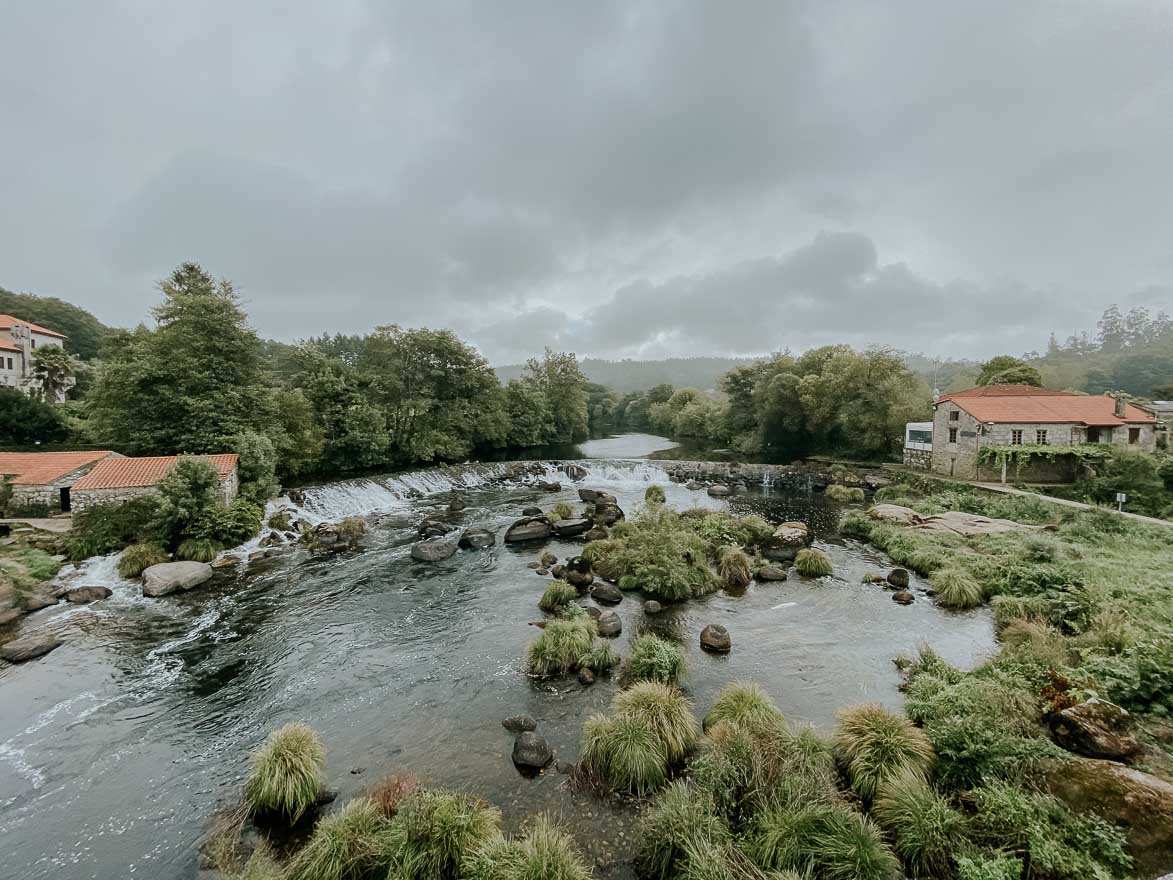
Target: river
[116, 748]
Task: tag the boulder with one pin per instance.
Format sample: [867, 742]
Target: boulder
[586, 676]
[532, 511]
[84, 595]
[1142, 805]
[576, 472]
[434, 549]
[222, 562]
[542, 571]
[578, 564]
[39, 599]
[571, 528]
[531, 751]
[594, 612]
[769, 573]
[549, 486]
[894, 514]
[589, 495]
[548, 559]
[456, 505]
[787, 540]
[609, 624]
[903, 597]
[172, 577]
[519, 723]
[533, 565]
[579, 580]
[719, 490]
[694, 486]
[433, 528]
[1096, 728]
[598, 533]
[29, 648]
[652, 607]
[716, 638]
[898, 578]
[559, 572]
[607, 513]
[606, 594]
[477, 539]
[530, 528]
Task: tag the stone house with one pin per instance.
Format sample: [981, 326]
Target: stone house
[45, 479]
[116, 480]
[19, 341]
[1001, 416]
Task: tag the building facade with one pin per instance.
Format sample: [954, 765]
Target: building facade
[42, 482]
[116, 481]
[966, 422]
[19, 342]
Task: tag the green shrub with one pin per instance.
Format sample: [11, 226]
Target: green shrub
[744, 703]
[656, 552]
[1057, 842]
[601, 657]
[876, 745]
[924, 828]
[718, 528]
[682, 817]
[654, 495]
[898, 491]
[435, 832]
[1140, 677]
[665, 711]
[561, 510]
[347, 845]
[856, 524]
[545, 852]
[196, 550]
[956, 589]
[655, 659]
[989, 868]
[813, 563]
[285, 776]
[108, 528]
[557, 650]
[187, 495]
[734, 567]
[823, 839]
[846, 494]
[137, 558]
[624, 753]
[1035, 642]
[558, 594]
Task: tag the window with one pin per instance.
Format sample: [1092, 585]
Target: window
[955, 415]
[34, 342]
[952, 435]
[1133, 436]
[1016, 438]
[1041, 438]
[10, 363]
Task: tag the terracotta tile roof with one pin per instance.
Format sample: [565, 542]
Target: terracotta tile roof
[127, 473]
[1027, 405]
[6, 322]
[8, 346]
[40, 468]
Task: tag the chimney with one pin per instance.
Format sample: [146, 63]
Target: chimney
[1119, 412]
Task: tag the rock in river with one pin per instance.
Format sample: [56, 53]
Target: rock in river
[519, 723]
[83, 595]
[434, 549]
[590, 495]
[576, 472]
[29, 648]
[769, 573]
[606, 594]
[607, 513]
[171, 577]
[719, 490]
[716, 638]
[903, 597]
[1096, 728]
[531, 751]
[898, 578]
[530, 528]
[652, 607]
[787, 540]
[477, 539]
[609, 624]
[570, 528]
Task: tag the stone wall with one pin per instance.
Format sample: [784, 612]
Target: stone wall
[918, 459]
[957, 459]
[85, 498]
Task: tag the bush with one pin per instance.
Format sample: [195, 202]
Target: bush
[228, 526]
[1140, 678]
[826, 840]
[137, 558]
[924, 828]
[655, 552]
[351, 529]
[285, 777]
[557, 595]
[654, 495]
[256, 466]
[655, 659]
[813, 563]
[719, 527]
[956, 589]
[196, 550]
[348, 845]
[989, 868]
[188, 493]
[111, 527]
[435, 832]
[745, 703]
[561, 510]
[38, 565]
[876, 745]
[898, 491]
[601, 657]
[624, 753]
[665, 711]
[557, 650]
[734, 567]
[545, 852]
[846, 494]
[681, 819]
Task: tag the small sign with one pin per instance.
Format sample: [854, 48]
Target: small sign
[1121, 497]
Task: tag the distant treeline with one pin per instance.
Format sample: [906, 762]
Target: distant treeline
[629, 375]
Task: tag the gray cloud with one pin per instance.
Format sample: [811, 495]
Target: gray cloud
[649, 178]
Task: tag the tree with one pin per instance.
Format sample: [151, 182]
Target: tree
[1007, 370]
[527, 411]
[25, 420]
[564, 386]
[54, 369]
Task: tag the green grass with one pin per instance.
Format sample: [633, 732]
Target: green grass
[347, 845]
[846, 494]
[826, 840]
[561, 510]
[261, 865]
[557, 595]
[665, 711]
[734, 567]
[813, 563]
[434, 833]
[137, 558]
[624, 753]
[196, 550]
[681, 819]
[654, 495]
[955, 588]
[875, 745]
[558, 649]
[924, 828]
[744, 703]
[544, 852]
[351, 529]
[600, 658]
[655, 659]
[286, 773]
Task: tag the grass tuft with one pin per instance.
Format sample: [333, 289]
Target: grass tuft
[624, 753]
[956, 589]
[137, 558]
[681, 819]
[601, 657]
[347, 845]
[813, 563]
[846, 494]
[826, 840]
[665, 711]
[435, 832]
[388, 792]
[655, 659]
[876, 745]
[197, 550]
[654, 495]
[285, 777]
[558, 649]
[734, 567]
[924, 828]
[557, 595]
[744, 703]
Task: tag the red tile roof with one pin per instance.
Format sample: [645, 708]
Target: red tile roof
[8, 346]
[1023, 404]
[41, 468]
[127, 473]
[6, 322]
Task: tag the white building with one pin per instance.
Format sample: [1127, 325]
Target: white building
[19, 341]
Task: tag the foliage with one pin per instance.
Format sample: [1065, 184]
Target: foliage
[347, 845]
[601, 657]
[654, 495]
[1137, 474]
[84, 333]
[387, 793]
[734, 567]
[544, 852]
[37, 564]
[54, 369]
[847, 494]
[187, 494]
[744, 703]
[875, 746]
[256, 466]
[824, 839]
[664, 710]
[658, 552]
[286, 772]
[956, 588]
[655, 659]
[996, 867]
[681, 819]
[1007, 370]
[137, 558]
[103, 529]
[557, 595]
[27, 420]
[435, 832]
[197, 550]
[557, 650]
[924, 827]
[625, 753]
[813, 563]
[1140, 677]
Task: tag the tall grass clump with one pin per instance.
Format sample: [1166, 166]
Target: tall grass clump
[681, 818]
[955, 588]
[847, 494]
[813, 563]
[989, 867]
[665, 711]
[875, 745]
[600, 658]
[387, 793]
[658, 552]
[562, 510]
[733, 565]
[137, 558]
[544, 852]
[655, 659]
[825, 840]
[744, 703]
[435, 832]
[557, 650]
[286, 773]
[196, 550]
[624, 753]
[923, 826]
[1035, 642]
[347, 845]
[557, 595]
[654, 495]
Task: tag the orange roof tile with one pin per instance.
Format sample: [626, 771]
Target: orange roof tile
[1027, 405]
[6, 322]
[41, 468]
[127, 473]
[8, 346]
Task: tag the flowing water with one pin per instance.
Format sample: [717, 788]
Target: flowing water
[116, 748]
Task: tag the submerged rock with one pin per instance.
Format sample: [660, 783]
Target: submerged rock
[903, 597]
[559, 572]
[586, 676]
[652, 607]
[519, 723]
[716, 638]
[29, 648]
[477, 539]
[1096, 728]
[530, 528]
[84, 595]
[172, 577]
[531, 751]
[576, 472]
[532, 511]
[223, 562]
[606, 594]
[609, 624]
[548, 559]
[771, 573]
[434, 549]
[589, 495]
[550, 486]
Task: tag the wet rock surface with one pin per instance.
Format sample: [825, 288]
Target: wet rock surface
[29, 648]
[716, 639]
[172, 577]
[530, 528]
[531, 751]
[85, 595]
[1097, 729]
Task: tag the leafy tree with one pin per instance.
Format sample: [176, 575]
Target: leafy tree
[1007, 370]
[564, 386]
[25, 420]
[54, 369]
[256, 466]
[528, 413]
[84, 333]
[187, 495]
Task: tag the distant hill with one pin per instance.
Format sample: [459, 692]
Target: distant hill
[630, 375]
[84, 331]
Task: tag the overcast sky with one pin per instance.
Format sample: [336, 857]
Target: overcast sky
[619, 179]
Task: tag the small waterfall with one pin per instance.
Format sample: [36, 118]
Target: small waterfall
[767, 478]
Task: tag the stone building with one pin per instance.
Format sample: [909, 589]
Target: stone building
[999, 416]
[34, 480]
[116, 480]
[19, 342]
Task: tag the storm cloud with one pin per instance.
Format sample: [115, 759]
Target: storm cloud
[620, 179]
